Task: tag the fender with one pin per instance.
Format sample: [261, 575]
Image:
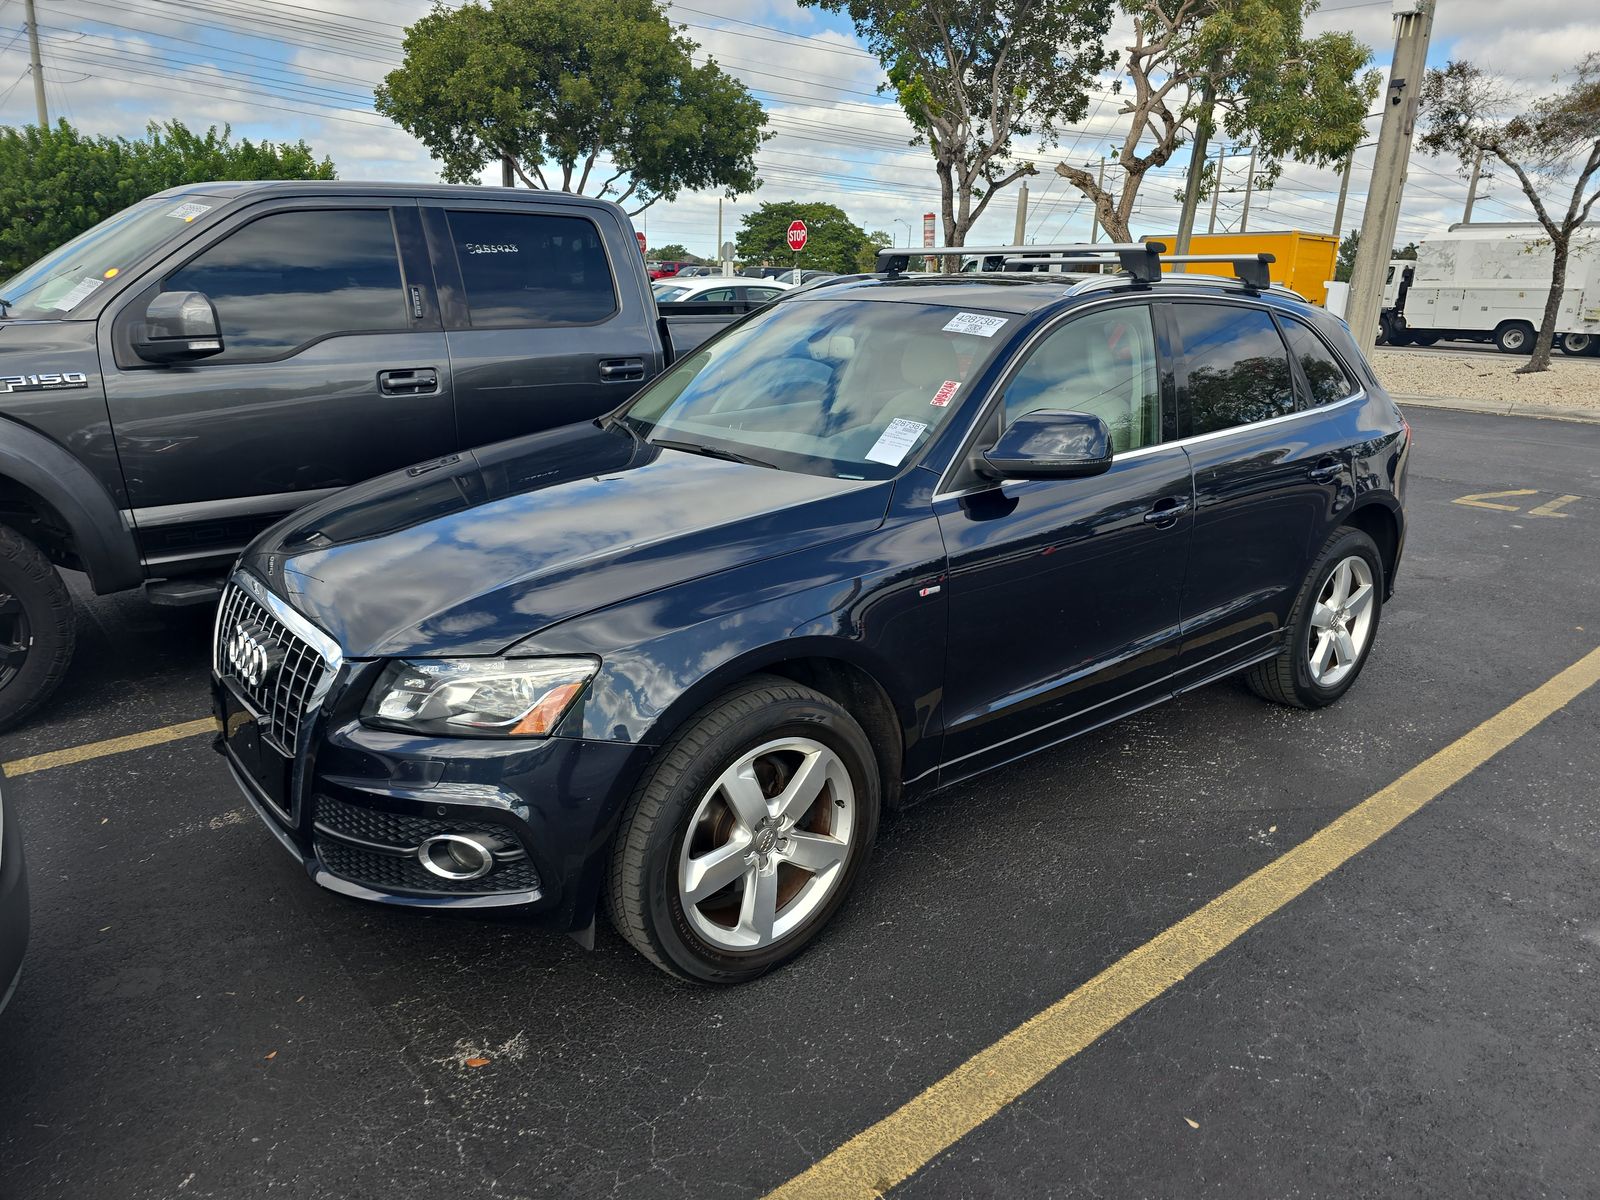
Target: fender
[104, 543]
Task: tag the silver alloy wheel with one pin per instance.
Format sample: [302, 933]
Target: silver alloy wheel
[767, 845]
[1341, 622]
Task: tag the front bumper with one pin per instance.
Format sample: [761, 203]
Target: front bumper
[13, 906]
[354, 804]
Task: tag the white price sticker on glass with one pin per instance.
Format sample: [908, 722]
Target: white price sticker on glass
[188, 212]
[979, 323]
[79, 293]
[895, 442]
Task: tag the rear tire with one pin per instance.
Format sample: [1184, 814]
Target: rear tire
[1515, 337]
[1579, 344]
[721, 870]
[37, 629]
[1329, 634]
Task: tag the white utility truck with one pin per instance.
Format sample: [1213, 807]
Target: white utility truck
[1488, 282]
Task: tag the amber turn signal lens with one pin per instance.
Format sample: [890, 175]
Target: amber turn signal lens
[542, 717]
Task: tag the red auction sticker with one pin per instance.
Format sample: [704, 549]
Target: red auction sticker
[946, 393]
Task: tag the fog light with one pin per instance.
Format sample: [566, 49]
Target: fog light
[457, 856]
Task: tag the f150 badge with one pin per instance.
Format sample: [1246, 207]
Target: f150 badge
[47, 382]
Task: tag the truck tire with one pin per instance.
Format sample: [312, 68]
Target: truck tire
[1424, 339]
[37, 629]
[1579, 344]
[1514, 337]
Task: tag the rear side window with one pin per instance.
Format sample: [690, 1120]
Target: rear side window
[532, 269]
[762, 295]
[291, 278]
[714, 296]
[1326, 378]
[1238, 367]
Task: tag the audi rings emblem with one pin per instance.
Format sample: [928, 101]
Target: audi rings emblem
[250, 654]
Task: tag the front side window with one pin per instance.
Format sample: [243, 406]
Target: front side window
[848, 388]
[1326, 378]
[523, 268]
[291, 278]
[713, 296]
[1103, 363]
[1238, 367]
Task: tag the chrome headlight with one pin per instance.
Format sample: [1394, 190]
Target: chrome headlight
[477, 697]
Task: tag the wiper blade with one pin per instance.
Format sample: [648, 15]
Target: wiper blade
[715, 452]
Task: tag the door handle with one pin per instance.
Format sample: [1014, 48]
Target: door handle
[415, 382]
[1167, 510]
[1326, 470]
[621, 370]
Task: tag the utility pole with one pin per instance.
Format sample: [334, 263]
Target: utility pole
[1472, 188]
[1216, 189]
[1197, 166]
[1413, 25]
[1094, 231]
[38, 67]
[721, 264]
[1020, 229]
[1249, 186]
[1344, 194]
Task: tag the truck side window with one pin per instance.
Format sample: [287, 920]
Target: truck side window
[1327, 378]
[291, 278]
[1238, 367]
[532, 269]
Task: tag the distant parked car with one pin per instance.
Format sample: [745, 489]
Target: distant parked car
[747, 293]
[763, 272]
[666, 270]
[798, 277]
[13, 906]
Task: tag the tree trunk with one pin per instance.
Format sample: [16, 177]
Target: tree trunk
[1552, 309]
[953, 234]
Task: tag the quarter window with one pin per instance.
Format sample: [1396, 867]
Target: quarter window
[1327, 379]
[1238, 367]
[291, 278]
[1102, 363]
[532, 269]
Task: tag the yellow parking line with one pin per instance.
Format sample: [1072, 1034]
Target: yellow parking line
[887, 1153]
[134, 741]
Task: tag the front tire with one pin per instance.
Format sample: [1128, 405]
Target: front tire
[1331, 629]
[746, 833]
[1515, 337]
[37, 629]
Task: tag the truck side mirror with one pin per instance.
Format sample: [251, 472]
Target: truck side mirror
[178, 327]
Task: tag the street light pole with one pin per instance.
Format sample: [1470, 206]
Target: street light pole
[37, 67]
[1413, 22]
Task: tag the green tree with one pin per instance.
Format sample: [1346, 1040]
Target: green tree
[555, 86]
[1554, 141]
[1277, 90]
[1346, 262]
[974, 76]
[673, 252]
[867, 256]
[56, 182]
[833, 240]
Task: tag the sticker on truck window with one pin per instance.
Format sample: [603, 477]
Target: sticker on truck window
[976, 323]
[188, 212]
[946, 393]
[77, 295]
[895, 442]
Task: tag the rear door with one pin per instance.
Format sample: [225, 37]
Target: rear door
[543, 329]
[1271, 470]
[334, 369]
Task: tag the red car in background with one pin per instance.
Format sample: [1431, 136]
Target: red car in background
[664, 270]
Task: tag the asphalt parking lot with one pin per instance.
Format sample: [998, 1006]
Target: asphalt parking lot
[197, 1020]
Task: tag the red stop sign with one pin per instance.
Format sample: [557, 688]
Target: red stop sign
[797, 236]
[640, 236]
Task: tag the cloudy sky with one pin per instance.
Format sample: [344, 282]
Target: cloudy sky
[290, 69]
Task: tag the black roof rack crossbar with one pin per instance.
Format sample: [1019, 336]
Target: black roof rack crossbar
[1249, 269]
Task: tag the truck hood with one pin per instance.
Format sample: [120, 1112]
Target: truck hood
[474, 552]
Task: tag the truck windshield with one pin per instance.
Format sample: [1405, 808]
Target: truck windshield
[63, 279]
[849, 388]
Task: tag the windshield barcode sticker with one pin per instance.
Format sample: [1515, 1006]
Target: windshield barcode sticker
[78, 294]
[895, 442]
[978, 323]
[188, 212]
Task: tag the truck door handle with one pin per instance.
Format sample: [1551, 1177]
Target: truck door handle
[417, 382]
[1167, 510]
[621, 370]
[1326, 470]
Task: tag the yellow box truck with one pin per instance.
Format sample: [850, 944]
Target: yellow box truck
[1305, 261]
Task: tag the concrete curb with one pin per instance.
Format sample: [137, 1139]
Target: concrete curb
[1500, 408]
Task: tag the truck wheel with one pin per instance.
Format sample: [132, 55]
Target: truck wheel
[1515, 337]
[37, 630]
[1578, 344]
[1425, 339]
[746, 833]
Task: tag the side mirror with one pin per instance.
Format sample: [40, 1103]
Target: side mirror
[1049, 445]
[177, 327]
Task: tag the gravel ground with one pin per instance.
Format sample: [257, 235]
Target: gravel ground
[1569, 383]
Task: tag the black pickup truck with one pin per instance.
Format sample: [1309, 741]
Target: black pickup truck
[187, 372]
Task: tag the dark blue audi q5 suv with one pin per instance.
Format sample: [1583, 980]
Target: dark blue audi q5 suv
[870, 541]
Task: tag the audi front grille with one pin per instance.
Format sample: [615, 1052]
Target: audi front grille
[277, 669]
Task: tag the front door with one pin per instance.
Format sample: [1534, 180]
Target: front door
[334, 369]
[543, 329]
[1064, 594]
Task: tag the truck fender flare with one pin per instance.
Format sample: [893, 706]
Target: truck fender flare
[104, 543]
